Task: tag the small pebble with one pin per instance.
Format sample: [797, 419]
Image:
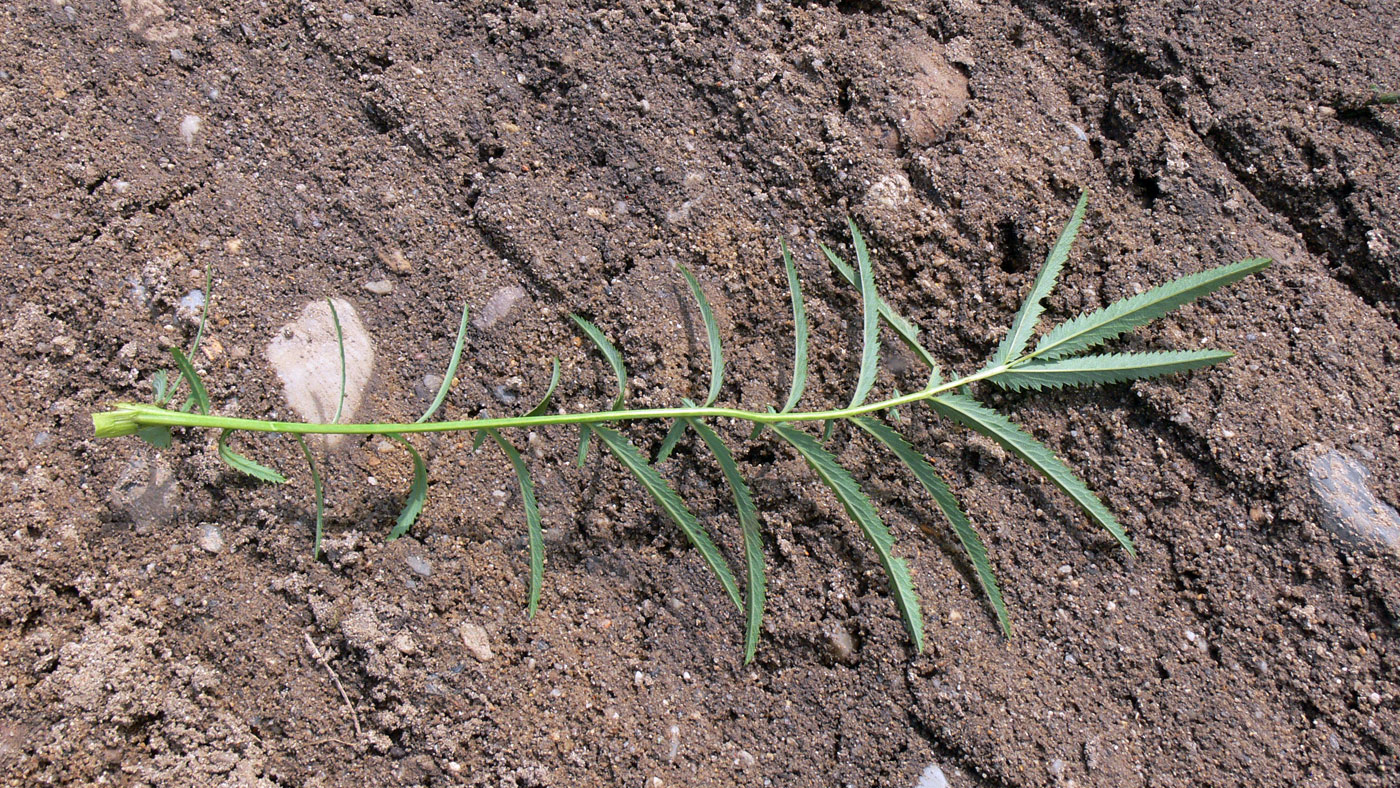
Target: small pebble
[673, 739]
[428, 386]
[211, 540]
[379, 286]
[932, 778]
[841, 645]
[395, 261]
[192, 304]
[498, 305]
[307, 357]
[189, 127]
[212, 348]
[419, 566]
[506, 394]
[147, 492]
[1344, 501]
[474, 638]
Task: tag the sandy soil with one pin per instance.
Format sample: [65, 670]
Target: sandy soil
[570, 156]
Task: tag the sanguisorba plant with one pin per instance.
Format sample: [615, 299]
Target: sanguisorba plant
[1058, 358]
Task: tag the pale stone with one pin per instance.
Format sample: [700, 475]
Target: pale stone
[474, 638]
[306, 356]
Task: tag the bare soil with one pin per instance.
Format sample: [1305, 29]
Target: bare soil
[580, 152]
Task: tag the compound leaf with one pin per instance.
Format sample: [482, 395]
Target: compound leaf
[584, 433]
[619, 370]
[943, 496]
[1107, 368]
[1101, 325]
[980, 418]
[244, 465]
[673, 437]
[208, 303]
[540, 409]
[672, 505]
[160, 385]
[610, 353]
[858, 507]
[340, 343]
[156, 435]
[1029, 314]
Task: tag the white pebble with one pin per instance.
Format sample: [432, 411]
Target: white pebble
[497, 306]
[189, 127]
[673, 735]
[932, 778]
[210, 539]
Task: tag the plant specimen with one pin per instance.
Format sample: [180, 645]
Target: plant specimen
[1059, 358]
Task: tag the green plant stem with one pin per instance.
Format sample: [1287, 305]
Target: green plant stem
[126, 418]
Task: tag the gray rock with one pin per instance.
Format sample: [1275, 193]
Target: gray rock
[427, 387]
[497, 306]
[306, 356]
[378, 287]
[420, 566]
[1345, 505]
[211, 539]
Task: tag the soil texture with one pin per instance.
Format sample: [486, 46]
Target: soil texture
[163, 621]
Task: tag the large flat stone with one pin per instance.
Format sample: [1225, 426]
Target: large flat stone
[306, 356]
